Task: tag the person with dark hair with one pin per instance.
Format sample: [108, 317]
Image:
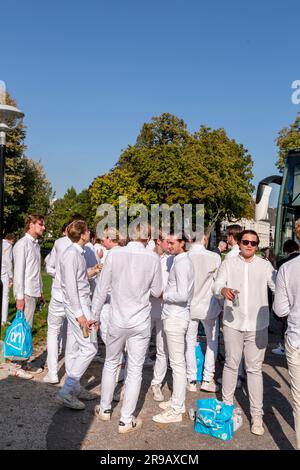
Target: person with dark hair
[75, 287]
[7, 272]
[287, 305]
[177, 298]
[233, 237]
[243, 282]
[28, 287]
[291, 250]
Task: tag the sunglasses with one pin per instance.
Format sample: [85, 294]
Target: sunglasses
[249, 242]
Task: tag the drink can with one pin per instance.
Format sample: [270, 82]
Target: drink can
[93, 335]
[236, 301]
[85, 331]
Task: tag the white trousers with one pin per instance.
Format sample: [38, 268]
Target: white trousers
[137, 341]
[175, 330]
[79, 351]
[56, 318]
[253, 344]
[161, 362]
[211, 332]
[293, 361]
[5, 298]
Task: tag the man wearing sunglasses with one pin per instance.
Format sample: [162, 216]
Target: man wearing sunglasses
[243, 282]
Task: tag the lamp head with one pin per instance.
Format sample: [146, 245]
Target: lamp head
[10, 116]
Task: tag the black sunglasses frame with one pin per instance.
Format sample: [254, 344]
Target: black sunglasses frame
[249, 242]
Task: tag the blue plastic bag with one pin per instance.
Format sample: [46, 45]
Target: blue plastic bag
[214, 418]
[18, 338]
[199, 361]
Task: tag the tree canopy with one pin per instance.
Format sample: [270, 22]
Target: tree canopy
[170, 165]
[27, 190]
[288, 139]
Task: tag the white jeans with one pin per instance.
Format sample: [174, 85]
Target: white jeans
[79, 351]
[5, 298]
[293, 361]
[56, 317]
[211, 332]
[175, 330]
[253, 344]
[161, 362]
[137, 342]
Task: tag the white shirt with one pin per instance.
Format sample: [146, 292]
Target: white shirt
[287, 298]
[234, 251]
[27, 268]
[180, 289]
[53, 264]
[206, 264]
[7, 259]
[166, 261]
[131, 273]
[251, 279]
[74, 281]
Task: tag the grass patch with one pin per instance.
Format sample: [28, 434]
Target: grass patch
[39, 330]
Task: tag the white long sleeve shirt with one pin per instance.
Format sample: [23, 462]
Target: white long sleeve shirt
[74, 281]
[251, 279]
[131, 274]
[27, 268]
[53, 264]
[7, 259]
[166, 261]
[287, 298]
[204, 304]
[180, 289]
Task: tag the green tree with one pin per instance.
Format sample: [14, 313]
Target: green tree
[288, 139]
[63, 208]
[27, 189]
[169, 165]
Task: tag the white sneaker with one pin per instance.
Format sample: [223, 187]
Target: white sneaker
[209, 386]
[135, 424]
[168, 416]
[85, 394]
[157, 393]
[192, 386]
[69, 400]
[103, 415]
[257, 426]
[280, 350]
[168, 404]
[20, 373]
[51, 379]
[148, 362]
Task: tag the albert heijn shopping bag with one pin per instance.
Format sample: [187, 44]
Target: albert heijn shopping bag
[18, 338]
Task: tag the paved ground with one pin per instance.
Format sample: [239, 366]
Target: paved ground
[30, 418]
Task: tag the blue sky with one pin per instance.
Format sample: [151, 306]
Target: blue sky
[89, 74]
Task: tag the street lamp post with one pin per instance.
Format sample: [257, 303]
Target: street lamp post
[10, 116]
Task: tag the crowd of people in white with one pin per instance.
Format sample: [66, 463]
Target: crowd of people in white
[122, 291]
